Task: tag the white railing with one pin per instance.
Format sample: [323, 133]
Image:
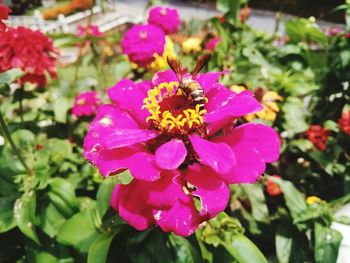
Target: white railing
[61, 25]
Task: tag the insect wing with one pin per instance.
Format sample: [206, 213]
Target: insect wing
[175, 65]
[202, 61]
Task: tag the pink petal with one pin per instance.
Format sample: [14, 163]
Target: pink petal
[129, 96]
[170, 155]
[239, 105]
[261, 137]
[250, 166]
[164, 76]
[125, 137]
[207, 80]
[128, 201]
[253, 145]
[182, 218]
[141, 164]
[109, 116]
[212, 191]
[164, 192]
[218, 156]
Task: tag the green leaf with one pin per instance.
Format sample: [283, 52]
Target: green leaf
[327, 242]
[184, 250]
[150, 246]
[7, 220]
[230, 8]
[257, 200]
[60, 108]
[122, 69]
[291, 245]
[294, 116]
[301, 29]
[10, 76]
[98, 251]
[79, 231]
[60, 150]
[104, 194]
[244, 250]
[294, 199]
[24, 213]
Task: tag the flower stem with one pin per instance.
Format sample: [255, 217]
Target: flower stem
[21, 95]
[5, 131]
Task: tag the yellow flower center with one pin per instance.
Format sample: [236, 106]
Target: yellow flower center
[81, 101]
[169, 110]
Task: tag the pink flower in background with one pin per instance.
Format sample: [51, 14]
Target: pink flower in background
[176, 151]
[4, 15]
[141, 42]
[89, 30]
[31, 51]
[212, 43]
[85, 104]
[333, 31]
[166, 18]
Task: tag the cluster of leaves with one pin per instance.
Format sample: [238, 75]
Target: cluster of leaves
[54, 206]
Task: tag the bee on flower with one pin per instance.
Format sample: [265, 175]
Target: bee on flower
[173, 146]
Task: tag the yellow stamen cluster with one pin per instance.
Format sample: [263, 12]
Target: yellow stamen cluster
[166, 120]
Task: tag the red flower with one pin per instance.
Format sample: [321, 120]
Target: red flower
[318, 136]
[272, 188]
[344, 122]
[29, 50]
[4, 14]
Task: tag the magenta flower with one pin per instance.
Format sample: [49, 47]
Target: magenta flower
[212, 43]
[85, 104]
[177, 152]
[89, 30]
[141, 42]
[166, 18]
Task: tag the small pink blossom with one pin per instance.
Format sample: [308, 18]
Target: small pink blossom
[141, 42]
[333, 31]
[212, 43]
[177, 152]
[166, 18]
[89, 30]
[85, 104]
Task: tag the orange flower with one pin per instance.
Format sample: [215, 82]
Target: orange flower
[272, 188]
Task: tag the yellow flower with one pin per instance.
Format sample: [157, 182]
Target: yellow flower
[268, 101]
[160, 61]
[108, 51]
[238, 88]
[314, 199]
[193, 44]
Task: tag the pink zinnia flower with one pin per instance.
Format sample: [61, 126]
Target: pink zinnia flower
[89, 30]
[141, 42]
[85, 104]
[212, 43]
[166, 18]
[318, 136]
[4, 15]
[31, 51]
[177, 152]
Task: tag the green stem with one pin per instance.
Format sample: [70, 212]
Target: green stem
[5, 131]
[21, 95]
